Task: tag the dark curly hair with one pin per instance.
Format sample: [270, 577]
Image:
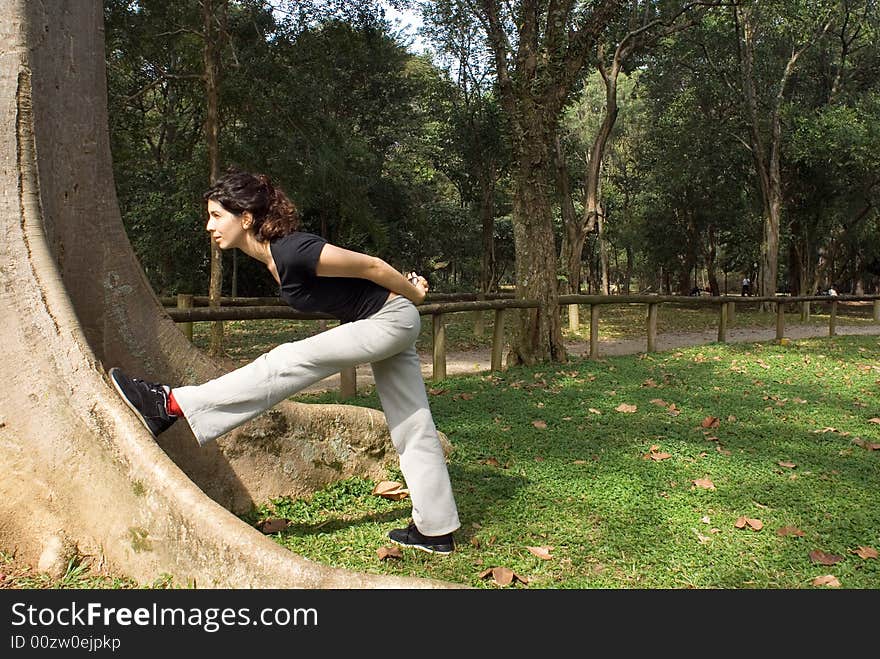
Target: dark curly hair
[275, 215]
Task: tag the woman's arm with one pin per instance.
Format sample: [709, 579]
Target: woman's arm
[339, 262]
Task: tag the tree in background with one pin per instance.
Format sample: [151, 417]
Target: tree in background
[332, 109]
[540, 52]
[156, 111]
[763, 79]
[832, 183]
[474, 153]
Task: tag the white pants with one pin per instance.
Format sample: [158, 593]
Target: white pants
[387, 341]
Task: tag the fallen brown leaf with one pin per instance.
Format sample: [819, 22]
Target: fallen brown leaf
[273, 525]
[503, 576]
[389, 552]
[783, 463]
[705, 483]
[539, 424]
[654, 453]
[827, 580]
[626, 407]
[754, 524]
[866, 552]
[790, 530]
[710, 422]
[391, 490]
[541, 552]
[819, 556]
[871, 446]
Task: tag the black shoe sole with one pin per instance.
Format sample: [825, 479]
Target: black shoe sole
[128, 402]
[424, 548]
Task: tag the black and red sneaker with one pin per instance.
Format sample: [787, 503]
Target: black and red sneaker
[146, 399]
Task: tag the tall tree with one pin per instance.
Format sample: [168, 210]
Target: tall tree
[540, 50]
[641, 27]
[476, 157]
[213, 33]
[763, 29]
[832, 156]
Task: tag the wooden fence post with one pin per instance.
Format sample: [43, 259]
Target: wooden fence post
[877, 311]
[497, 339]
[652, 326]
[439, 347]
[185, 301]
[594, 331]
[832, 320]
[723, 312]
[348, 382]
[780, 320]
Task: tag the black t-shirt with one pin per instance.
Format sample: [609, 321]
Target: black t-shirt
[346, 298]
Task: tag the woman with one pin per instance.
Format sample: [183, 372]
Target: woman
[380, 325]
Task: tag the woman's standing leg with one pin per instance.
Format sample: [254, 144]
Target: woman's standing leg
[401, 390]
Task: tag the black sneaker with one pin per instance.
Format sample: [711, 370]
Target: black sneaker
[411, 537]
[146, 399]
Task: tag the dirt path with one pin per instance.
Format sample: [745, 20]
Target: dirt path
[476, 361]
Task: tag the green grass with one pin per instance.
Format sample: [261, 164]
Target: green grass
[792, 448]
[787, 452]
[78, 575]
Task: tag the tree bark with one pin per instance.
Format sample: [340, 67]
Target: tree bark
[211, 52]
[537, 334]
[488, 265]
[79, 475]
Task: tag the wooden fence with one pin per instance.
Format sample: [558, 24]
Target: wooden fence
[190, 309]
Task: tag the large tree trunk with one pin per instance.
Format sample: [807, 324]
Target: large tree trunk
[602, 243]
[79, 475]
[535, 79]
[710, 255]
[572, 249]
[538, 333]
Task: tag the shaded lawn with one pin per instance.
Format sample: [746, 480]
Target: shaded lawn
[636, 471]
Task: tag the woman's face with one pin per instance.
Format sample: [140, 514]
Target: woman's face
[227, 229]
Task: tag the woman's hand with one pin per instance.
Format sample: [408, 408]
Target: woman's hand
[420, 283]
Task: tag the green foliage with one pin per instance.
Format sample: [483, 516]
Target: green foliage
[322, 98]
[406, 156]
